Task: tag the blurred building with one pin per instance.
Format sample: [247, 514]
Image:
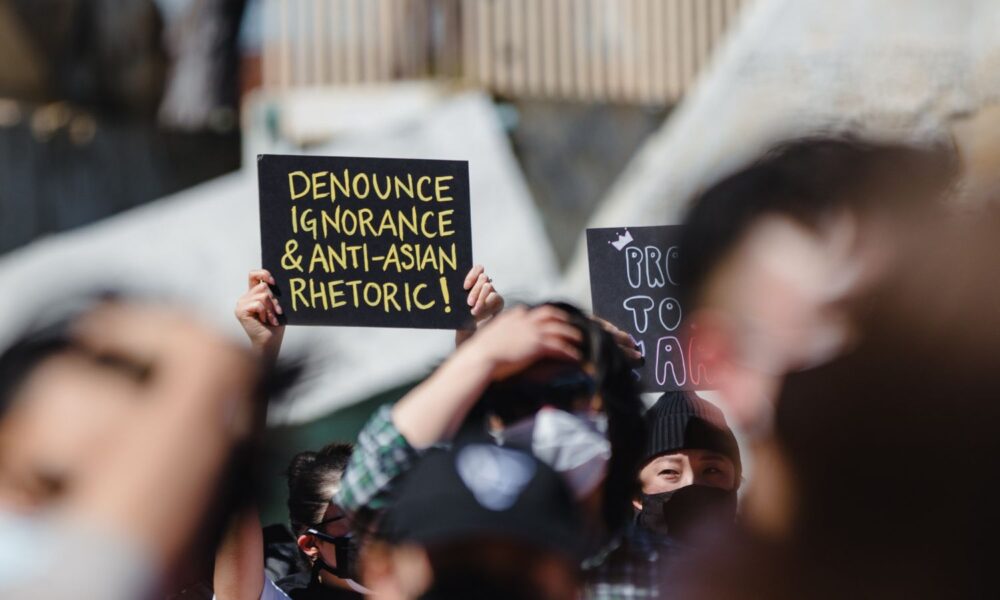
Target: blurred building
[581, 83]
[108, 104]
[645, 52]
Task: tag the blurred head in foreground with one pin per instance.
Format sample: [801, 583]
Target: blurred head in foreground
[121, 422]
[771, 252]
[893, 444]
[60, 401]
[478, 521]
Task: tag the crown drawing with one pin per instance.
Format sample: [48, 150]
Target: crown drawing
[623, 240]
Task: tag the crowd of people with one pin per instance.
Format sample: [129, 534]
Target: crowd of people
[847, 309]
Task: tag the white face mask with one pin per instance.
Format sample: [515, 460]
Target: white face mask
[574, 446]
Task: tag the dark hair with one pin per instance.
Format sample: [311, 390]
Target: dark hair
[313, 479]
[807, 180]
[626, 429]
[614, 381]
[49, 333]
[23, 355]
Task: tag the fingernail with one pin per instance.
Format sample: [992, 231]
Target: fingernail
[278, 308]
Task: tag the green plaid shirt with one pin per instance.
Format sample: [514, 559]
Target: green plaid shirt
[630, 568]
[626, 570]
[380, 455]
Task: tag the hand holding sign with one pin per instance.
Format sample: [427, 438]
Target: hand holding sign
[257, 311]
[626, 343]
[366, 242]
[483, 298]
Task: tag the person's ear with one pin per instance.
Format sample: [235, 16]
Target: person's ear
[307, 544]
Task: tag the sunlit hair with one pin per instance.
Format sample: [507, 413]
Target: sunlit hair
[313, 479]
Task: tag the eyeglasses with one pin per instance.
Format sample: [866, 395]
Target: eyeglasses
[341, 539]
[326, 537]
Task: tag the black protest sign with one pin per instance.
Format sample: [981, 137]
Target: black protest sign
[633, 285]
[367, 242]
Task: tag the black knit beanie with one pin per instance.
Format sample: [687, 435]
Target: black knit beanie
[683, 421]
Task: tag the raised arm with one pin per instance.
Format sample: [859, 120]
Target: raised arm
[239, 561]
[257, 311]
[430, 413]
[433, 410]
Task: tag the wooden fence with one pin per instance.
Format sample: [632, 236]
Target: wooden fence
[629, 51]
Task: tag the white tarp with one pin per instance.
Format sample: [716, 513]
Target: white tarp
[893, 68]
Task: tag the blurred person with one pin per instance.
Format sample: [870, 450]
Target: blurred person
[771, 250]
[892, 445]
[477, 521]
[771, 255]
[546, 379]
[118, 426]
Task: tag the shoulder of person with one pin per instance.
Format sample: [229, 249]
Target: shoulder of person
[272, 591]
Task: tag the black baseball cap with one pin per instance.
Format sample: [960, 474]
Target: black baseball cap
[484, 490]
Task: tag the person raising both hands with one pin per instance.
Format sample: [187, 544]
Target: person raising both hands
[259, 311]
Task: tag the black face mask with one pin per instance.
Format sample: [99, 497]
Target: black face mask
[680, 512]
[346, 551]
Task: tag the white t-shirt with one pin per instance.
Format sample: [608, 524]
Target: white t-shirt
[270, 592]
